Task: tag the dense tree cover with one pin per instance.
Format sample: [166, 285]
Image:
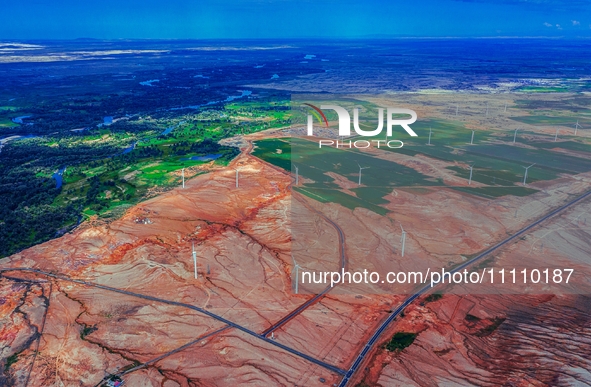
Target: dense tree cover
[26, 214]
[29, 214]
[52, 153]
[64, 113]
[67, 111]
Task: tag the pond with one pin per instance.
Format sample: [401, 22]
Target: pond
[203, 158]
[59, 177]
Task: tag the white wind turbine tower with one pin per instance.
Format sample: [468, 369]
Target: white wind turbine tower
[297, 274]
[505, 107]
[472, 139]
[577, 126]
[457, 108]
[360, 169]
[402, 239]
[236, 177]
[297, 174]
[194, 260]
[470, 179]
[183, 174]
[525, 175]
[556, 135]
[430, 131]
[515, 135]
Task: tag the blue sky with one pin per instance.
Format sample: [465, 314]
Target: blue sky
[206, 19]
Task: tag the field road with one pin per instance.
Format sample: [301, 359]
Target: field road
[311, 359]
[342, 253]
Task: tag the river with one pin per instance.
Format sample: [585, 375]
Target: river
[169, 130]
[244, 93]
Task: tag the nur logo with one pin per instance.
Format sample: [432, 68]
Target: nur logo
[345, 120]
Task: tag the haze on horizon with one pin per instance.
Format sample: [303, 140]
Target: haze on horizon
[263, 19]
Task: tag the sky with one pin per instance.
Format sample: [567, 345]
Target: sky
[269, 19]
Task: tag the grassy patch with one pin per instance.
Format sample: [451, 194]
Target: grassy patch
[565, 145]
[10, 360]
[274, 151]
[487, 176]
[543, 89]
[547, 162]
[400, 340]
[433, 297]
[87, 330]
[488, 330]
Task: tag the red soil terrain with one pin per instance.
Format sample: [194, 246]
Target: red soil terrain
[137, 309]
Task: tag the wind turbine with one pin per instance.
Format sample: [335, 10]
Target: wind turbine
[297, 174]
[236, 178]
[525, 176]
[195, 260]
[360, 169]
[472, 139]
[470, 179]
[577, 126]
[556, 135]
[183, 173]
[487, 108]
[505, 107]
[297, 273]
[515, 135]
[457, 108]
[403, 239]
[429, 143]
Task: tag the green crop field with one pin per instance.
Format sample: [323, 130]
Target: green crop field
[335, 196]
[583, 146]
[543, 89]
[379, 178]
[500, 167]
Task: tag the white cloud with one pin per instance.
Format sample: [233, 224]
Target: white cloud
[576, 23]
[558, 26]
[547, 24]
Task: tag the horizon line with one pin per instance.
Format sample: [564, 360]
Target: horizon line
[363, 37]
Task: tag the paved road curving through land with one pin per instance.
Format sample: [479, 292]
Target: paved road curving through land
[376, 335]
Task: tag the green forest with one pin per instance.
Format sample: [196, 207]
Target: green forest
[108, 168]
